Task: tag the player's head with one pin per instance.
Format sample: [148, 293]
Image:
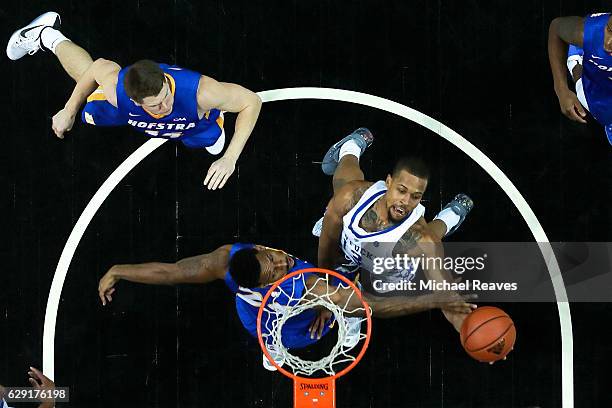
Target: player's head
[147, 85]
[259, 266]
[405, 187]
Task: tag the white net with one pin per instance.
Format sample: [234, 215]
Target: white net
[301, 297]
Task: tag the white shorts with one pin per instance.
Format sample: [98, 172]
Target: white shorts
[580, 94]
[572, 61]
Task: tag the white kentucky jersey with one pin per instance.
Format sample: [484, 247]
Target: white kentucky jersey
[354, 238]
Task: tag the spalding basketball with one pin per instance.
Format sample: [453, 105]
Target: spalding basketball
[488, 334]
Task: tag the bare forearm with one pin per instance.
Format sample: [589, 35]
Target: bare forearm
[435, 251]
[399, 305]
[327, 252]
[245, 123]
[196, 269]
[329, 241]
[153, 273]
[382, 307]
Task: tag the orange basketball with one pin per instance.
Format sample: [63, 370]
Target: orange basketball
[488, 334]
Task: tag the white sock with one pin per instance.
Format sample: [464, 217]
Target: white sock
[448, 217]
[351, 148]
[50, 38]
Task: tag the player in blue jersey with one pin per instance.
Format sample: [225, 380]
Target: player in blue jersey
[249, 270]
[157, 99]
[589, 60]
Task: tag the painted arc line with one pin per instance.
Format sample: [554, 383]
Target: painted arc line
[71, 245]
[343, 96]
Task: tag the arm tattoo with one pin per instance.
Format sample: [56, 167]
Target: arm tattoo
[356, 197]
[408, 242]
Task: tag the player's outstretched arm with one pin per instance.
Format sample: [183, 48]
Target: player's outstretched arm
[102, 73]
[388, 307]
[421, 240]
[564, 31]
[197, 269]
[404, 305]
[229, 97]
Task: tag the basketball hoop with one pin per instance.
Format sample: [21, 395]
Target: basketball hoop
[313, 392]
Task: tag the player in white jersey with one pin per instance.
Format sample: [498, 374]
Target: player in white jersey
[363, 215]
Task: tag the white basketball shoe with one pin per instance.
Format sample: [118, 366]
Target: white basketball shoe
[276, 355]
[353, 335]
[26, 40]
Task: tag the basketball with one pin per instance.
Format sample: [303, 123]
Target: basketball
[488, 334]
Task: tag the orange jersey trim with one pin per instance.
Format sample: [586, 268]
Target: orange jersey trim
[97, 95]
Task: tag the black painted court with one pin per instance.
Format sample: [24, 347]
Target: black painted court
[478, 67]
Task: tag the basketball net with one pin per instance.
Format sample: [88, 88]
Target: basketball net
[314, 392]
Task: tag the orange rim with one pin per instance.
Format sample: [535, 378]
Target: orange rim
[327, 272]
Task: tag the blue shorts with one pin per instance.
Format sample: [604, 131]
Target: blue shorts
[102, 113]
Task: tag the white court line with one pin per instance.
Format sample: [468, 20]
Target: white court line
[567, 374]
[71, 246]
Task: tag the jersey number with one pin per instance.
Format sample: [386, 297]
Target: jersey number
[169, 135]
